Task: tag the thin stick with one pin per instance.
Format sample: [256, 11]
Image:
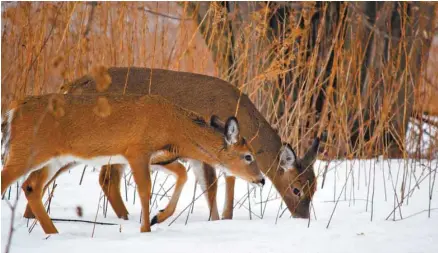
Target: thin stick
[261, 206]
[384, 183]
[95, 217]
[165, 192]
[135, 193]
[188, 206]
[278, 212]
[368, 190]
[431, 191]
[395, 208]
[9, 193]
[193, 199]
[82, 176]
[11, 227]
[83, 221]
[18, 192]
[161, 188]
[266, 202]
[324, 175]
[374, 188]
[51, 195]
[336, 204]
[126, 187]
[153, 186]
[244, 200]
[249, 201]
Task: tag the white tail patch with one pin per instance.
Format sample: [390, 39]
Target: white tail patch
[6, 133]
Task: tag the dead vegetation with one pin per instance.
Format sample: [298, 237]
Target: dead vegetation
[325, 69]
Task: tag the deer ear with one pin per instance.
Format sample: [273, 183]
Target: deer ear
[287, 157]
[217, 124]
[232, 131]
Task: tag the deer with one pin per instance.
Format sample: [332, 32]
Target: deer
[53, 131]
[208, 96]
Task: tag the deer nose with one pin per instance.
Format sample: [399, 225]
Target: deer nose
[261, 183]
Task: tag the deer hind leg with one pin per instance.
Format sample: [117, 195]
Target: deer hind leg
[207, 180]
[227, 213]
[142, 177]
[34, 187]
[36, 177]
[109, 180]
[181, 177]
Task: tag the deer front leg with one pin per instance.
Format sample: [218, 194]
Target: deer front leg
[210, 184]
[207, 180]
[227, 213]
[142, 177]
[181, 178]
[109, 180]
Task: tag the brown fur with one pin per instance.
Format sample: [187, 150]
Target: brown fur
[137, 127]
[212, 96]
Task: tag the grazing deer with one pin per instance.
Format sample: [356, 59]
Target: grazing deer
[54, 131]
[39, 182]
[208, 96]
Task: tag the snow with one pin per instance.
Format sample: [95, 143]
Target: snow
[350, 229]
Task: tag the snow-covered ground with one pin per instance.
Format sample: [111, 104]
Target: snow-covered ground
[368, 194]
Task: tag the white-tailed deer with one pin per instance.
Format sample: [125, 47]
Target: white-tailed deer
[208, 96]
[57, 130]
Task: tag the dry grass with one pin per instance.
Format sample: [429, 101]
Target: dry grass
[48, 44]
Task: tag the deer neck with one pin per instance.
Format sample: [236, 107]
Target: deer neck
[205, 145]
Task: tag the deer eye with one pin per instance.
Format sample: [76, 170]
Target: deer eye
[248, 158]
[297, 192]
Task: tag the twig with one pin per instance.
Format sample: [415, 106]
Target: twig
[267, 200]
[84, 221]
[192, 203]
[336, 203]
[165, 15]
[395, 208]
[97, 211]
[11, 226]
[126, 187]
[374, 188]
[82, 176]
[249, 201]
[417, 213]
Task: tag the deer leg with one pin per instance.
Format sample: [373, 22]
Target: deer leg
[142, 177]
[36, 176]
[206, 178]
[181, 177]
[33, 189]
[227, 213]
[109, 180]
[210, 184]
[33, 185]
